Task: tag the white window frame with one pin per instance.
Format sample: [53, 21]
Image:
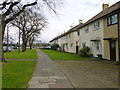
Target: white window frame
[86, 29]
[83, 44]
[96, 26]
[71, 45]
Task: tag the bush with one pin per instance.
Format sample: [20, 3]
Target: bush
[99, 56]
[84, 52]
[54, 46]
[90, 55]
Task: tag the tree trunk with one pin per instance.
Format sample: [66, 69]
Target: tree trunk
[2, 30]
[30, 46]
[24, 45]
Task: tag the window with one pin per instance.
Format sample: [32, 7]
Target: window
[83, 44]
[96, 25]
[112, 19]
[86, 29]
[71, 44]
[69, 35]
[97, 46]
[78, 33]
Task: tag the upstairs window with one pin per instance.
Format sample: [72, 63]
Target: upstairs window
[113, 19]
[78, 33]
[69, 35]
[96, 25]
[86, 29]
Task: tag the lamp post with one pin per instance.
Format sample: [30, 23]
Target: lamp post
[7, 38]
[1, 41]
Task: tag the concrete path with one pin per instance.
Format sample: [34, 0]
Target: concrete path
[20, 59]
[90, 73]
[47, 74]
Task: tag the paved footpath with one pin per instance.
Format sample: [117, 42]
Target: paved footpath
[47, 74]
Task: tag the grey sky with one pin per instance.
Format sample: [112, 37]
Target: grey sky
[69, 14]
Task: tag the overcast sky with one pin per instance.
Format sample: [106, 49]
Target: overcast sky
[69, 14]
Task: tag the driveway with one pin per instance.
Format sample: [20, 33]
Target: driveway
[91, 73]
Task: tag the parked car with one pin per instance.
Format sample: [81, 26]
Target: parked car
[5, 48]
[48, 47]
[15, 48]
[10, 49]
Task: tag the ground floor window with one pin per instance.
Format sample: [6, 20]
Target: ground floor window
[83, 44]
[97, 46]
[71, 45]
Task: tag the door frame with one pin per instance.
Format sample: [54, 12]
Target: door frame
[111, 53]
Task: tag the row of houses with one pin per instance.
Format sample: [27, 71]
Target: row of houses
[101, 33]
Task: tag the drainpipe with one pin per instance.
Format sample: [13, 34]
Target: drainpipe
[118, 37]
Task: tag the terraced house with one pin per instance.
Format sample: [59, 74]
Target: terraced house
[100, 33]
[68, 41]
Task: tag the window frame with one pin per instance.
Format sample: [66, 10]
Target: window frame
[78, 33]
[69, 35]
[85, 29]
[71, 45]
[84, 43]
[96, 26]
[110, 17]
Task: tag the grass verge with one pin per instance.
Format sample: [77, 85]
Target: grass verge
[29, 54]
[56, 55]
[16, 74]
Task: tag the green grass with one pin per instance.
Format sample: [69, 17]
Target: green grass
[56, 55]
[29, 54]
[16, 74]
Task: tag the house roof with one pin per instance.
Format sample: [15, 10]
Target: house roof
[69, 31]
[103, 13]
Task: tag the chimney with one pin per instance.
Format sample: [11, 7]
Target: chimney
[80, 21]
[104, 6]
[71, 27]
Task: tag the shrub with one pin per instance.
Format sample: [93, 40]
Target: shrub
[84, 52]
[54, 46]
[117, 62]
[90, 55]
[99, 56]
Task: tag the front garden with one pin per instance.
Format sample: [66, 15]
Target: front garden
[56, 55]
[16, 74]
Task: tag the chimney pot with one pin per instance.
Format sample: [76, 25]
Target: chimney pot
[80, 21]
[71, 27]
[104, 6]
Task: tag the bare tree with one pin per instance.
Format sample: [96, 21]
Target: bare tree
[7, 8]
[30, 23]
[32, 39]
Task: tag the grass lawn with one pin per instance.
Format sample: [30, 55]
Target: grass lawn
[16, 74]
[56, 55]
[29, 54]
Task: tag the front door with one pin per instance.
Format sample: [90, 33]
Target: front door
[76, 49]
[112, 50]
[97, 49]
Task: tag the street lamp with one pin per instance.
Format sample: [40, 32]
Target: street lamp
[1, 41]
